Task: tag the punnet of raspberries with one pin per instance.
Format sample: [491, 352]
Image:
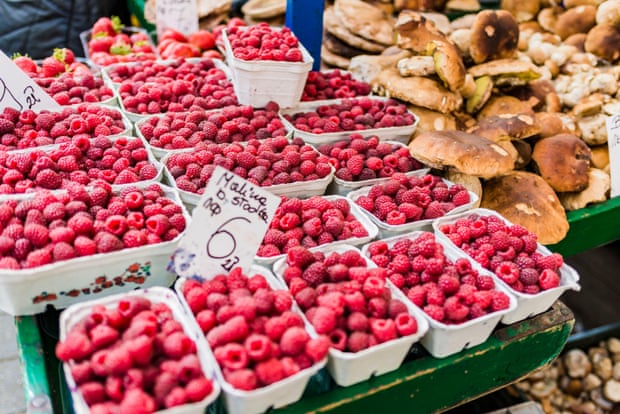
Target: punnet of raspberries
[265, 163]
[448, 291]
[231, 124]
[405, 199]
[70, 88]
[353, 114]
[359, 159]
[345, 299]
[509, 250]
[177, 95]
[256, 337]
[261, 42]
[28, 129]
[310, 222]
[121, 160]
[155, 71]
[52, 227]
[334, 84]
[133, 357]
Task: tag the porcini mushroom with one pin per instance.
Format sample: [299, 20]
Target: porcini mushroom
[494, 35]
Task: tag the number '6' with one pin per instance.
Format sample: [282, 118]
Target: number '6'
[222, 231]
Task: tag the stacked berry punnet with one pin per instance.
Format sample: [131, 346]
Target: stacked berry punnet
[272, 161]
[334, 84]
[261, 42]
[173, 44]
[256, 337]
[150, 71]
[405, 199]
[109, 44]
[231, 124]
[310, 222]
[359, 159]
[449, 292]
[28, 129]
[116, 161]
[51, 227]
[354, 114]
[345, 299]
[509, 250]
[133, 357]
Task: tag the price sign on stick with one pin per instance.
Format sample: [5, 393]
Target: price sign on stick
[19, 91]
[227, 227]
[180, 15]
[613, 141]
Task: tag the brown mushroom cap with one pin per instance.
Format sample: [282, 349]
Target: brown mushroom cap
[340, 48]
[543, 91]
[578, 40]
[525, 198]
[429, 120]
[495, 35]
[507, 126]
[414, 31]
[334, 26]
[596, 191]
[462, 152]
[603, 40]
[550, 124]
[448, 64]
[365, 20]
[521, 10]
[512, 70]
[563, 161]
[333, 59]
[505, 104]
[576, 20]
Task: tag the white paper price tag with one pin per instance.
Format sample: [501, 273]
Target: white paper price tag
[613, 141]
[19, 91]
[227, 228]
[180, 15]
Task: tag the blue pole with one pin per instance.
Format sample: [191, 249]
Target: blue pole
[305, 19]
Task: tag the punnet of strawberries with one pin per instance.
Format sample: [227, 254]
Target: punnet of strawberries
[53, 227]
[122, 160]
[352, 114]
[67, 80]
[450, 292]
[110, 43]
[334, 84]
[310, 222]
[231, 124]
[174, 44]
[346, 299]
[404, 199]
[509, 250]
[256, 336]
[262, 42]
[359, 159]
[264, 163]
[133, 357]
[28, 129]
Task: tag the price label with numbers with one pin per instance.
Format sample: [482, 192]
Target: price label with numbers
[227, 227]
[19, 91]
[180, 15]
[613, 141]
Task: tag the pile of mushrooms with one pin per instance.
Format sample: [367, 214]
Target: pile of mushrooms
[579, 381]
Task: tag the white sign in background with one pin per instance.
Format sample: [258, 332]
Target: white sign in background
[19, 91]
[180, 15]
[227, 228]
[613, 141]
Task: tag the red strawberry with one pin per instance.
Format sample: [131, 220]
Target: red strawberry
[109, 26]
[52, 67]
[26, 64]
[100, 44]
[203, 39]
[64, 55]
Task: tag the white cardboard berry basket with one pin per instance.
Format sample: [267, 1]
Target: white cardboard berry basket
[356, 211]
[260, 81]
[73, 315]
[443, 340]
[300, 189]
[60, 284]
[389, 230]
[527, 305]
[348, 368]
[400, 134]
[276, 395]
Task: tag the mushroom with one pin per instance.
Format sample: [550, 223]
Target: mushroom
[441, 21]
[611, 391]
[593, 129]
[609, 13]
[602, 366]
[591, 381]
[575, 20]
[521, 10]
[563, 161]
[463, 5]
[507, 71]
[613, 344]
[597, 396]
[365, 20]
[615, 372]
[576, 40]
[603, 40]
[416, 66]
[542, 389]
[368, 67]
[482, 93]
[494, 35]
[524, 150]
[544, 92]
[448, 64]
[525, 198]
[414, 31]
[505, 104]
[550, 124]
[429, 120]
[548, 17]
[462, 152]
[577, 363]
[462, 39]
[506, 126]
[597, 190]
[600, 156]
[571, 386]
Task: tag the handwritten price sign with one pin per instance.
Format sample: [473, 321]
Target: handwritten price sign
[613, 141]
[19, 91]
[180, 15]
[227, 226]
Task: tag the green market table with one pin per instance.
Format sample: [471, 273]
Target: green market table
[423, 383]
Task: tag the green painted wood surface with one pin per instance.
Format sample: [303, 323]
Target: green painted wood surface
[591, 227]
[423, 384]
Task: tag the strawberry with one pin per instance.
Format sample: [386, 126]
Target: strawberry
[119, 48]
[109, 26]
[100, 43]
[52, 67]
[203, 39]
[25, 63]
[170, 33]
[64, 55]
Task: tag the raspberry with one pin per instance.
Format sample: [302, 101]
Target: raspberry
[434, 295]
[317, 348]
[107, 242]
[373, 287]
[84, 246]
[299, 256]
[231, 356]
[269, 371]
[448, 284]
[63, 251]
[198, 389]
[38, 257]
[275, 327]
[461, 198]
[485, 282]
[244, 379]
[135, 401]
[352, 258]
[383, 329]
[37, 234]
[257, 347]
[293, 341]
[76, 346]
[500, 301]
[548, 279]
[405, 324]
[508, 272]
[529, 276]
[323, 320]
